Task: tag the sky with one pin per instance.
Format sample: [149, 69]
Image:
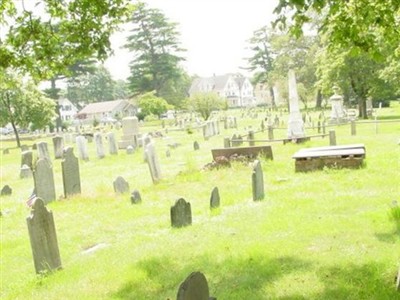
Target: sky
[214, 33]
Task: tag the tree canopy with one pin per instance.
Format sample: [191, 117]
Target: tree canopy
[205, 103]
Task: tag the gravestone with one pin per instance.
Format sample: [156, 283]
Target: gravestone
[214, 199]
[81, 144]
[25, 172]
[130, 132]
[152, 161]
[44, 180]
[168, 153]
[234, 142]
[257, 181]
[26, 158]
[70, 173]
[135, 197]
[194, 287]
[227, 142]
[6, 191]
[196, 145]
[337, 112]
[6, 151]
[99, 145]
[58, 144]
[43, 151]
[43, 238]
[121, 186]
[181, 213]
[295, 123]
[250, 138]
[332, 138]
[130, 149]
[112, 144]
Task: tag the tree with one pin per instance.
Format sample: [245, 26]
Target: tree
[205, 103]
[155, 47]
[22, 104]
[150, 104]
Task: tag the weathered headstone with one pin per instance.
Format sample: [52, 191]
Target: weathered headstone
[130, 149]
[25, 172]
[332, 138]
[130, 131]
[58, 144]
[26, 158]
[43, 238]
[196, 145]
[214, 199]
[6, 151]
[99, 145]
[43, 151]
[337, 112]
[70, 173]
[152, 161]
[6, 191]
[112, 144]
[44, 180]
[81, 144]
[257, 181]
[250, 138]
[181, 213]
[121, 186]
[135, 197]
[295, 123]
[194, 287]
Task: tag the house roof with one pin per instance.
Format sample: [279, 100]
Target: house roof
[102, 107]
[217, 83]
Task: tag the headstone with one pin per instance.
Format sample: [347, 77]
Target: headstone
[25, 172]
[181, 213]
[196, 145]
[332, 138]
[43, 238]
[257, 181]
[152, 161]
[130, 131]
[26, 158]
[214, 199]
[44, 180]
[337, 112]
[234, 142]
[6, 151]
[43, 151]
[81, 144]
[250, 138]
[99, 145]
[227, 142]
[6, 191]
[58, 144]
[135, 197]
[295, 123]
[130, 149]
[194, 287]
[121, 186]
[70, 173]
[112, 144]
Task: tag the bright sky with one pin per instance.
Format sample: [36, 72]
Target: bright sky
[214, 33]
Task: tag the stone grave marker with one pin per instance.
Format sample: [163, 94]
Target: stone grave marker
[81, 144]
[135, 197]
[43, 238]
[214, 199]
[26, 158]
[130, 149]
[6, 191]
[196, 145]
[70, 173]
[181, 213]
[152, 161]
[99, 145]
[58, 144]
[44, 180]
[257, 181]
[194, 287]
[43, 151]
[6, 151]
[121, 186]
[112, 143]
[130, 132]
[25, 172]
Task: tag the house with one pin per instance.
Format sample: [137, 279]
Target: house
[107, 110]
[236, 89]
[67, 109]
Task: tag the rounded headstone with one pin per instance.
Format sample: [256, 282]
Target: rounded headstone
[130, 149]
[6, 191]
[195, 287]
[135, 197]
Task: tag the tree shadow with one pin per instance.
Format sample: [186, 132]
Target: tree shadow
[388, 237]
[228, 279]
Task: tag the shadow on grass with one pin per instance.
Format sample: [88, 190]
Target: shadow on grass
[393, 117]
[388, 237]
[229, 279]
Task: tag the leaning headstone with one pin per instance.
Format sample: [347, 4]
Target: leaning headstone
[81, 144]
[26, 158]
[257, 181]
[196, 145]
[43, 151]
[214, 199]
[6, 191]
[70, 173]
[58, 144]
[25, 172]
[194, 287]
[121, 186]
[44, 180]
[152, 161]
[112, 144]
[43, 238]
[135, 197]
[99, 145]
[181, 213]
[130, 149]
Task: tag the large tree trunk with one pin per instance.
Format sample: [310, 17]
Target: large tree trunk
[16, 133]
[362, 108]
[54, 95]
[271, 92]
[318, 100]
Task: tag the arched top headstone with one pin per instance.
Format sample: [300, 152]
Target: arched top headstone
[194, 287]
[181, 213]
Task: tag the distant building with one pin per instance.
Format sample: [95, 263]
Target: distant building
[67, 109]
[236, 89]
[262, 93]
[107, 110]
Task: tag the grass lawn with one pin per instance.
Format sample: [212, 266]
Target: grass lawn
[318, 235]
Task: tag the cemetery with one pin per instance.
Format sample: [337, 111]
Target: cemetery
[139, 224]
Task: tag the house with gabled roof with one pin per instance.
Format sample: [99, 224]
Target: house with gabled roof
[99, 111]
[236, 89]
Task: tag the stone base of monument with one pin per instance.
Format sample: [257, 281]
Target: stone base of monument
[128, 140]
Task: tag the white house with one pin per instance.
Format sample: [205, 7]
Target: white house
[236, 89]
[67, 109]
[107, 110]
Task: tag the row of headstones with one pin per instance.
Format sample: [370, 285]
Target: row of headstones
[43, 235]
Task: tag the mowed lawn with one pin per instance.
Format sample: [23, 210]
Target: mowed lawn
[317, 235]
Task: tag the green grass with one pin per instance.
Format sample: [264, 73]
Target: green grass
[322, 235]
